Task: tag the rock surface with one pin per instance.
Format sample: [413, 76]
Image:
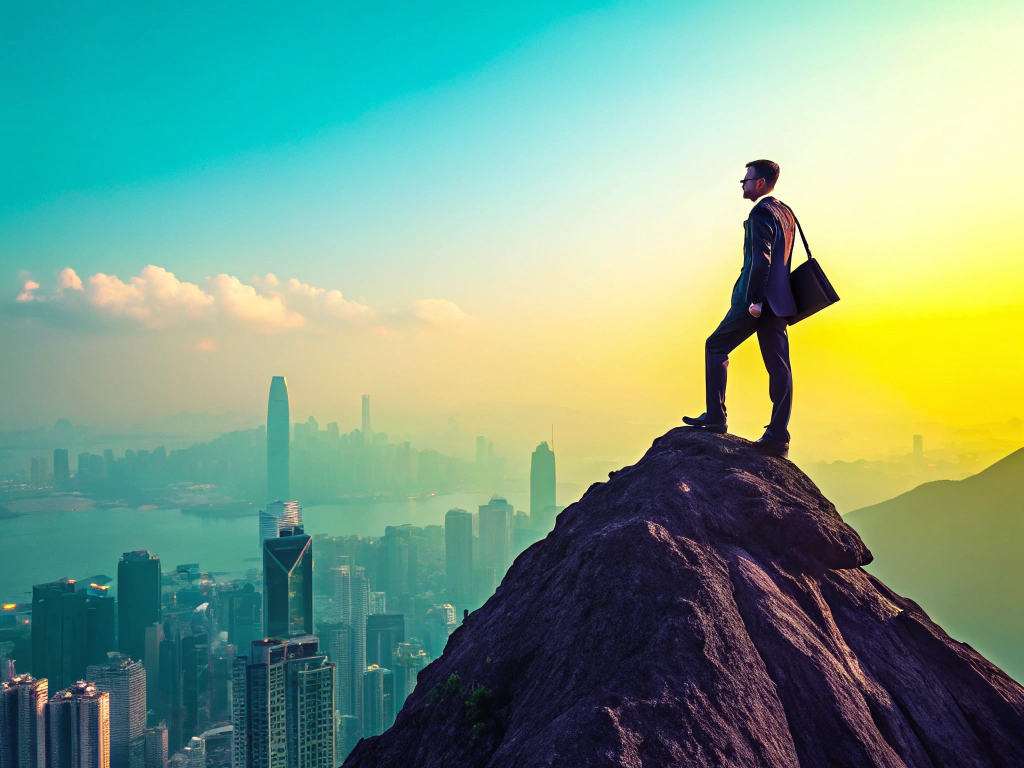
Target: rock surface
[704, 607]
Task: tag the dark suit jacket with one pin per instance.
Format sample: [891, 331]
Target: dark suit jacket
[767, 258]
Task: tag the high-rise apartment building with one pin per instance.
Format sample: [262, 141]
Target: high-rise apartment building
[23, 722]
[239, 710]
[496, 535]
[125, 681]
[542, 488]
[277, 516]
[138, 593]
[284, 716]
[288, 585]
[278, 433]
[78, 728]
[458, 553]
[383, 634]
[72, 627]
[156, 746]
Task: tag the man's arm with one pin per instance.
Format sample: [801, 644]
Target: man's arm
[762, 235]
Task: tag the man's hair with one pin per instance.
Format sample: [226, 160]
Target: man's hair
[765, 169]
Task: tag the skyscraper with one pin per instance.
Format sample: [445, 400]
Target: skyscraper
[78, 728]
[410, 658]
[383, 634]
[337, 640]
[496, 535]
[284, 715]
[378, 603]
[458, 553]
[138, 592]
[154, 636]
[23, 722]
[542, 488]
[348, 735]
[125, 681]
[195, 752]
[278, 426]
[288, 585]
[239, 711]
[279, 514]
[244, 612]
[398, 551]
[360, 605]
[72, 627]
[366, 431]
[156, 746]
[61, 471]
[378, 700]
[341, 597]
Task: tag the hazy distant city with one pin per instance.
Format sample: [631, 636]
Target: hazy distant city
[184, 663]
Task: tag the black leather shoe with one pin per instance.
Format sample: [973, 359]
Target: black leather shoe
[771, 446]
[701, 422]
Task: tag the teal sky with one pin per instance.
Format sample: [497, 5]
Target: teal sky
[520, 203]
[108, 94]
[213, 138]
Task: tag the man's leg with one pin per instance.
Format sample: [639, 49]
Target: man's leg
[774, 342]
[738, 326]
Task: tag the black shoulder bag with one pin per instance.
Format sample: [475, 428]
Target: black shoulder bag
[811, 289]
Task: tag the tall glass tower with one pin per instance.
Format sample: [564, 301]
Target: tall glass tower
[278, 426]
[366, 431]
[542, 488]
[458, 549]
[138, 596]
[288, 585]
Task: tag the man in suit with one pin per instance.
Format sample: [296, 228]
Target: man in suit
[761, 301]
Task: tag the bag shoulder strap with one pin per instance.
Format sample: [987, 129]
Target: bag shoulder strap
[800, 229]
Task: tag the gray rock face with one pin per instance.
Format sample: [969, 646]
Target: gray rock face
[704, 607]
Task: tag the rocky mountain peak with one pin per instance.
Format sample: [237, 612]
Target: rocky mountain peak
[704, 607]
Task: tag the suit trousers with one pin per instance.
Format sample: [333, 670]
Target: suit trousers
[738, 326]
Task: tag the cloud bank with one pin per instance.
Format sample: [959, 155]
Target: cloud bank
[155, 299]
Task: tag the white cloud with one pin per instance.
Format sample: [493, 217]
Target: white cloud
[439, 312]
[155, 298]
[66, 279]
[266, 314]
[27, 292]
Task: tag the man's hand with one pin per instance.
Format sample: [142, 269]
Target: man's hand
[755, 309]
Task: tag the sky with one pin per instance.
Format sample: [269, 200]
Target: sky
[522, 214]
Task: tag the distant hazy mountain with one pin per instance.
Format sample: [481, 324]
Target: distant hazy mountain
[956, 547]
